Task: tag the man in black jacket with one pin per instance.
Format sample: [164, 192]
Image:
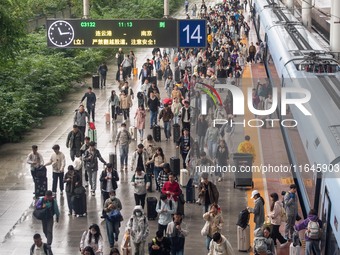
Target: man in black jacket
[90, 102]
[159, 245]
[91, 165]
[74, 141]
[108, 181]
[153, 104]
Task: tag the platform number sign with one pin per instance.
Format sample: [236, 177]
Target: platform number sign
[192, 33]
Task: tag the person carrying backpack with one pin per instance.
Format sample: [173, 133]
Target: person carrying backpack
[165, 208]
[263, 243]
[38, 246]
[50, 206]
[313, 227]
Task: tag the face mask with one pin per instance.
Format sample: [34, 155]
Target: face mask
[93, 232]
[112, 197]
[138, 214]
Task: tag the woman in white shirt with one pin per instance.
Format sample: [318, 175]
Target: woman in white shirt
[92, 238]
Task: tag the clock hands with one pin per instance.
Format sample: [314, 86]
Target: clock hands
[63, 33]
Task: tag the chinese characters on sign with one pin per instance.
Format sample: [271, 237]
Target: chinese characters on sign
[111, 33]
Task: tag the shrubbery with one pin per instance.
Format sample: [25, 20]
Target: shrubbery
[34, 78]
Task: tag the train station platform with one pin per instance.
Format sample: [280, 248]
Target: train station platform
[16, 184]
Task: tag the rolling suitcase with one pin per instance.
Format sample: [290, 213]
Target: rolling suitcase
[151, 208]
[40, 186]
[176, 132]
[133, 132]
[95, 81]
[40, 172]
[156, 130]
[107, 118]
[92, 132]
[183, 177]
[243, 238]
[175, 165]
[190, 191]
[79, 201]
[113, 159]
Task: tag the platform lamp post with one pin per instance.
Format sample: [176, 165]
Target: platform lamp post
[86, 9]
[166, 9]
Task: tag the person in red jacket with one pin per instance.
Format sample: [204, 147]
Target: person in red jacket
[171, 188]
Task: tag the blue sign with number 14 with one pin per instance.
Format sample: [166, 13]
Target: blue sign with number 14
[192, 34]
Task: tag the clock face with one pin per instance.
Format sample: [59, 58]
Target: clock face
[60, 33]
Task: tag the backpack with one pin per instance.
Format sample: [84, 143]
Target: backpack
[44, 247]
[260, 245]
[243, 218]
[313, 230]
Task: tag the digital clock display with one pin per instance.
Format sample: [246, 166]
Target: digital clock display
[125, 24]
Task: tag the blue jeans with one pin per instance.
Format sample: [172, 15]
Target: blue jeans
[153, 118]
[112, 229]
[124, 152]
[207, 242]
[312, 247]
[212, 148]
[167, 129]
[156, 172]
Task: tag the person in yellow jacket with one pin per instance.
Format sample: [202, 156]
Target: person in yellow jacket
[247, 147]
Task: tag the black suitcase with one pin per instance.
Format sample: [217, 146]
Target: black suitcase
[159, 74]
[79, 201]
[40, 186]
[176, 132]
[156, 133]
[190, 191]
[175, 165]
[113, 159]
[151, 203]
[95, 81]
[40, 172]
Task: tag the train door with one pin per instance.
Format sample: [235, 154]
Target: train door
[329, 245]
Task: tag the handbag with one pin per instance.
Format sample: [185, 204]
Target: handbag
[205, 229]
[40, 214]
[115, 216]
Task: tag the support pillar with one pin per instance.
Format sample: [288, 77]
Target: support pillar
[86, 9]
[335, 27]
[307, 13]
[166, 8]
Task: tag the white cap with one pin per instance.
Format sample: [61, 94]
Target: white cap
[254, 192]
